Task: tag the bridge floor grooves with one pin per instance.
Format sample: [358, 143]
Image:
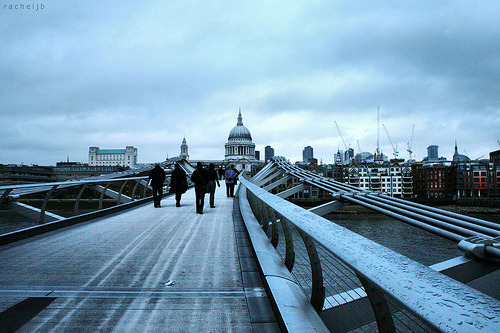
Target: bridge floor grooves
[112, 273]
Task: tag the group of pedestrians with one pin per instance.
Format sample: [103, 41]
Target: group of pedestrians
[205, 181]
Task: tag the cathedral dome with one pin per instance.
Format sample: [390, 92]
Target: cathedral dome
[239, 131]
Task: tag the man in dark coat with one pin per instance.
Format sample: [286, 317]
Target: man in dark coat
[178, 184]
[221, 172]
[157, 178]
[200, 180]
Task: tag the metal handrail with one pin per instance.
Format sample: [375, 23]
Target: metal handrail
[440, 301]
[12, 192]
[69, 183]
[409, 212]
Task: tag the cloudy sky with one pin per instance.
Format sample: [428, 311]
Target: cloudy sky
[80, 73]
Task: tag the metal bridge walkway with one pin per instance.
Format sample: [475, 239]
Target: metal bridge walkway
[116, 273]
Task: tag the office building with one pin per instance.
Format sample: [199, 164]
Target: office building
[307, 154]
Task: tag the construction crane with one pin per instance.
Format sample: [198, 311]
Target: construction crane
[338, 129]
[410, 143]
[396, 152]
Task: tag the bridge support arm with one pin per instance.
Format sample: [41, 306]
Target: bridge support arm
[465, 269]
[291, 191]
[268, 178]
[328, 207]
[32, 213]
[268, 169]
[277, 183]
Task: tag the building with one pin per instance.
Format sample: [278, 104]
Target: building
[348, 155]
[307, 154]
[268, 153]
[477, 180]
[435, 180]
[240, 150]
[495, 157]
[394, 179]
[457, 158]
[432, 152]
[257, 155]
[184, 150]
[110, 157]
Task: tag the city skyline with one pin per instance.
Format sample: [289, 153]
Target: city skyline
[74, 76]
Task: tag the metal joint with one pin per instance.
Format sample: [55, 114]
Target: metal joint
[475, 246]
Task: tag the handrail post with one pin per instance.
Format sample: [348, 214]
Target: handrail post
[318, 289]
[118, 199]
[137, 182]
[79, 196]
[379, 304]
[44, 205]
[262, 215]
[290, 253]
[5, 195]
[274, 227]
[145, 189]
[101, 199]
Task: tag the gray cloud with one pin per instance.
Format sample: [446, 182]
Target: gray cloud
[128, 73]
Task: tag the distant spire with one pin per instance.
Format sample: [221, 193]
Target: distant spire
[240, 119]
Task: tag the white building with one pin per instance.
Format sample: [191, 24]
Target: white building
[240, 150]
[394, 180]
[110, 157]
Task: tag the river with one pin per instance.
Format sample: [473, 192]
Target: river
[403, 238]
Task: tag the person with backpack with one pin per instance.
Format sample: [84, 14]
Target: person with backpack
[231, 176]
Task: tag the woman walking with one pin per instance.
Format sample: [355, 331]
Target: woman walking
[212, 180]
[178, 184]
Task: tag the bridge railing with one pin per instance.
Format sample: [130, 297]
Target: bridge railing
[402, 293]
[10, 193]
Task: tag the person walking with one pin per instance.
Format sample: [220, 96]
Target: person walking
[221, 172]
[212, 180]
[178, 183]
[230, 176]
[200, 180]
[157, 178]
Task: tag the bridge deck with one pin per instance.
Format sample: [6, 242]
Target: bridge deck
[111, 273]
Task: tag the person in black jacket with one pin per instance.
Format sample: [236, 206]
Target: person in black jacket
[157, 178]
[200, 180]
[212, 180]
[178, 184]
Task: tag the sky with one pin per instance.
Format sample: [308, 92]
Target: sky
[76, 74]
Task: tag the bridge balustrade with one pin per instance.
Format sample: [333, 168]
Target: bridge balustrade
[113, 188]
[350, 280]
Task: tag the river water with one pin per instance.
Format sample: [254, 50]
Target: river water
[403, 238]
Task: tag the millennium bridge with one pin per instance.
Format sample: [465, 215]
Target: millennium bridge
[254, 263]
